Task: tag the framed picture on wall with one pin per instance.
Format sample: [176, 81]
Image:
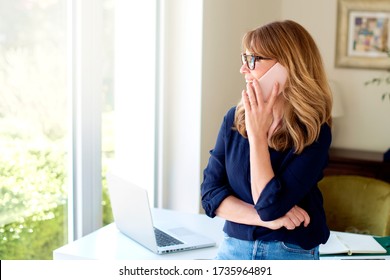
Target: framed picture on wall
[363, 34]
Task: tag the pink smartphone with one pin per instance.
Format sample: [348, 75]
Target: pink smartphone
[276, 73]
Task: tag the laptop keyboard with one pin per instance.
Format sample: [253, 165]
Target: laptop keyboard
[164, 239]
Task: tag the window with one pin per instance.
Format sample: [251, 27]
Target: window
[69, 111]
[33, 128]
[45, 122]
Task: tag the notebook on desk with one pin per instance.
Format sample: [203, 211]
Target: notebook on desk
[351, 244]
[132, 215]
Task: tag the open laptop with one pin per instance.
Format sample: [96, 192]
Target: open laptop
[132, 215]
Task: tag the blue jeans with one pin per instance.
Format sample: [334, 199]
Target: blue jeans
[236, 249]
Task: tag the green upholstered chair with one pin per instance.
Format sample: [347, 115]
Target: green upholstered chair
[357, 204]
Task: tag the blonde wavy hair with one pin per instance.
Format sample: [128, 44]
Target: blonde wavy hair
[307, 93]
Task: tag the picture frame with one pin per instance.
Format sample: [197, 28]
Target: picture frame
[363, 34]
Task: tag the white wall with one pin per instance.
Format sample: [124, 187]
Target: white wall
[180, 89]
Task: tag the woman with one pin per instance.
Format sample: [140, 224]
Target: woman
[263, 172]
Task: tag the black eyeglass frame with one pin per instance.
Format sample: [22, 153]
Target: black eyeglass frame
[252, 63]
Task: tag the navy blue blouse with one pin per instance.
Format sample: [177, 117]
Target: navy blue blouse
[294, 183]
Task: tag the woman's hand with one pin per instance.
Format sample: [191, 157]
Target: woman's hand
[258, 113]
[293, 218]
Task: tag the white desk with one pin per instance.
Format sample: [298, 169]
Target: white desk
[108, 243]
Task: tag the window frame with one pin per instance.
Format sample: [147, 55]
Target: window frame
[84, 47]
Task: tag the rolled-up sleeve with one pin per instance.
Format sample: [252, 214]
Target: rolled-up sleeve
[215, 187]
[295, 179]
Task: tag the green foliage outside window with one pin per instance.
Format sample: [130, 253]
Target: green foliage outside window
[33, 199]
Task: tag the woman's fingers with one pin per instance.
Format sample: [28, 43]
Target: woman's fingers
[255, 96]
[294, 218]
[289, 225]
[260, 97]
[245, 99]
[274, 95]
[306, 217]
[253, 101]
[257, 92]
[297, 216]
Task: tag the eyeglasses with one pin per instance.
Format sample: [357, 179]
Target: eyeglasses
[251, 59]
